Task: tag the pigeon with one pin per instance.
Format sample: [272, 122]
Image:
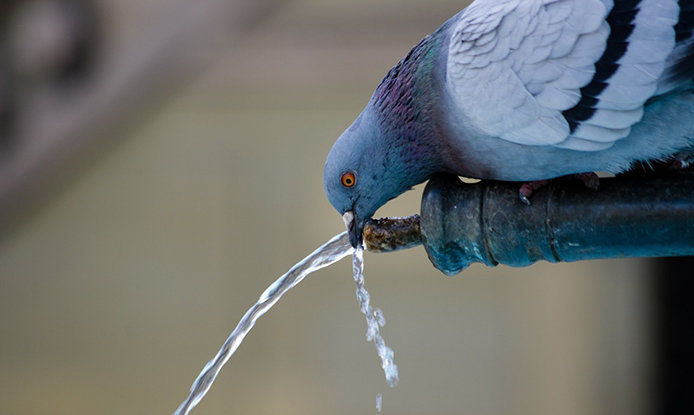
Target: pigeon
[526, 91]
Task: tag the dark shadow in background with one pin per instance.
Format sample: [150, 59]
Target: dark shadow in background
[674, 287]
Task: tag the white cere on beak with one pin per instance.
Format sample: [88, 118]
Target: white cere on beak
[348, 218]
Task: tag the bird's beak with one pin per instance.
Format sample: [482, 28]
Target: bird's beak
[355, 228]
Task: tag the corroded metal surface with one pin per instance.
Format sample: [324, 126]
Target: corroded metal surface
[626, 217]
[392, 234]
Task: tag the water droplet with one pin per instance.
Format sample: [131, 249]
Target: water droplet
[380, 318]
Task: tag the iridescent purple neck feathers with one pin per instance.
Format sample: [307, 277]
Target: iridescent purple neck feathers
[405, 106]
[406, 93]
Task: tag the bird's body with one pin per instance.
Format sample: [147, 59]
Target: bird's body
[525, 90]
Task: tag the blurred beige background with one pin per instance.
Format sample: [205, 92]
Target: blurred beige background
[117, 290]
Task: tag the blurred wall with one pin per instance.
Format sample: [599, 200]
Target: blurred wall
[117, 290]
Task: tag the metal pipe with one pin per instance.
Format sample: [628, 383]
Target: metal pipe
[392, 234]
[485, 222]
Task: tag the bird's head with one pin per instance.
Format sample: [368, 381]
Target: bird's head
[362, 172]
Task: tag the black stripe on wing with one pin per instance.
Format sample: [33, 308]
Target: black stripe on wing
[683, 70]
[685, 24]
[621, 21]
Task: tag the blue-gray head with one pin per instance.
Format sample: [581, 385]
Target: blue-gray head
[354, 178]
[367, 166]
[389, 147]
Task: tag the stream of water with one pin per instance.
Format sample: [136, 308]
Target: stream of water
[374, 320]
[332, 251]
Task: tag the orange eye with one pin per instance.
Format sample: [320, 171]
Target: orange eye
[348, 179]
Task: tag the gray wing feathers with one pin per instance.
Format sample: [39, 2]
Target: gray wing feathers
[530, 64]
[620, 105]
[515, 65]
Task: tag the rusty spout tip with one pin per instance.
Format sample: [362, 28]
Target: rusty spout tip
[392, 234]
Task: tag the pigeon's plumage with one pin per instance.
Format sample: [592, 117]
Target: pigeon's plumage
[524, 90]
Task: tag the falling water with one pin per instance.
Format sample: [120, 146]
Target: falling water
[332, 251]
[374, 320]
